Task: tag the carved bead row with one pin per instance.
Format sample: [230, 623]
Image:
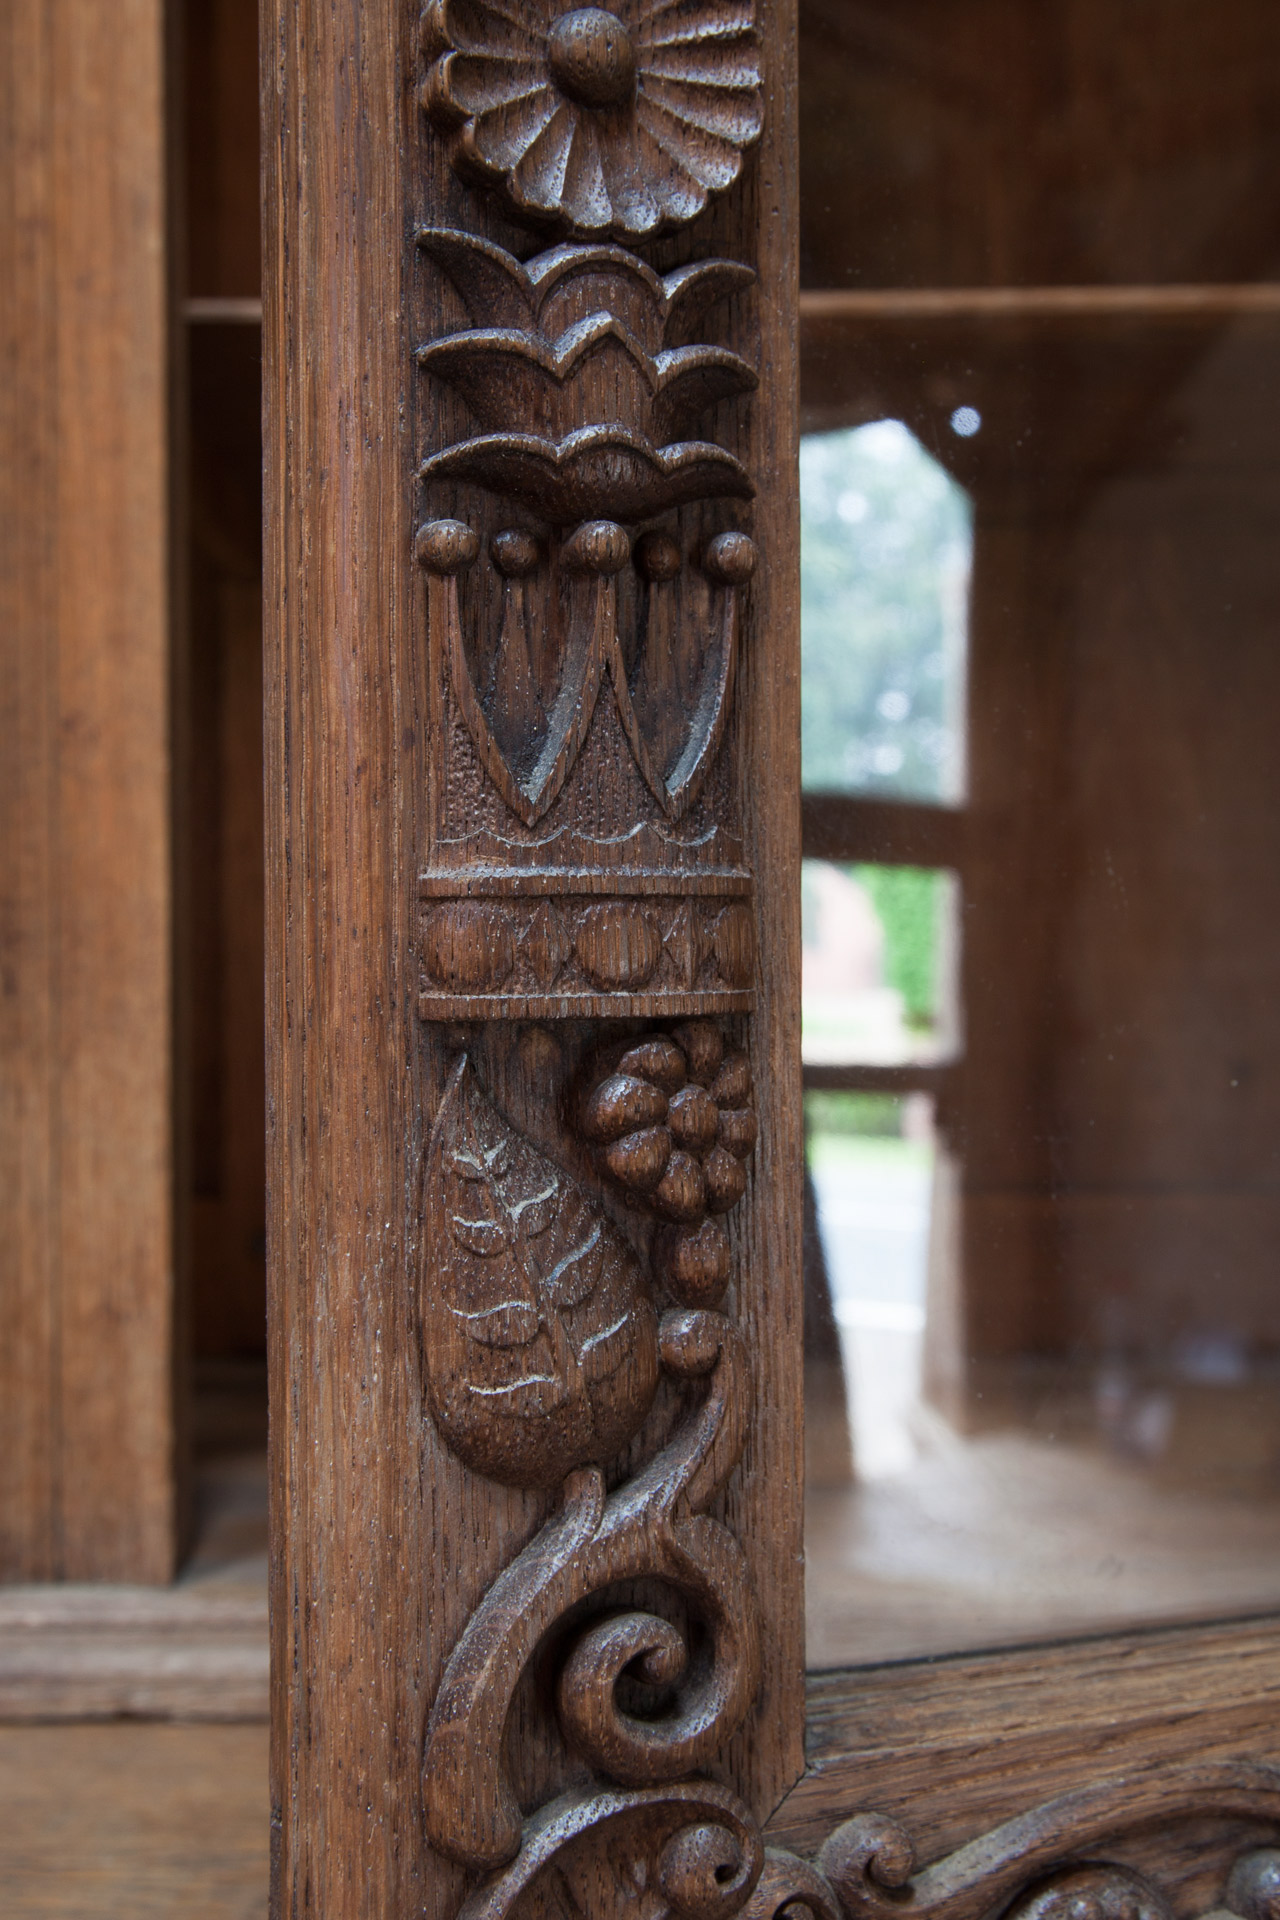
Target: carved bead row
[584, 945]
[597, 546]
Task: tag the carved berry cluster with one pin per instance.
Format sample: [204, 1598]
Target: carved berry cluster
[673, 1123]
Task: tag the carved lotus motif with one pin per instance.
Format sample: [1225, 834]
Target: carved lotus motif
[540, 1339]
[621, 121]
[574, 334]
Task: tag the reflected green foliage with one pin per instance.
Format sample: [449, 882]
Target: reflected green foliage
[876, 1116]
[885, 540]
[908, 901]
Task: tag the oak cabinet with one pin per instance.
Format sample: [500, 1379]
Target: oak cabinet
[542, 305]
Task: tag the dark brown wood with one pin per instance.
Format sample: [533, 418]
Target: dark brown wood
[845, 826]
[923, 1077]
[218, 81]
[87, 1310]
[221, 784]
[531, 774]
[987, 145]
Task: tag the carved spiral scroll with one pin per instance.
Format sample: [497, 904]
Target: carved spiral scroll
[792, 1887]
[1093, 1893]
[652, 1526]
[692, 1847]
[870, 1860]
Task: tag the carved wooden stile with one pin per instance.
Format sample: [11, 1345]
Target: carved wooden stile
[588, 549]
[536, 1214]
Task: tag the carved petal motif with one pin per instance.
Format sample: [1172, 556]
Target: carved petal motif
[506, 375]
[610, 471]
[580, 375]
[540, 1340]
[556, 289]
[674, 730]
[620, 122]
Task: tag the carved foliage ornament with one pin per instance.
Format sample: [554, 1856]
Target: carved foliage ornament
[580, 373]
[620, 121]
[529, 728]
[692, 1852]
[542, 1349]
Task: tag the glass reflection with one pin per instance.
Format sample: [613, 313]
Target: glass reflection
[885, 544]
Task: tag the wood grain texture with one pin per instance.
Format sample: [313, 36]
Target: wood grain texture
[1078, 122]
[134, 1822]
[385, 1543]
[954, 1746]
[194, 1652]
[87, 1469]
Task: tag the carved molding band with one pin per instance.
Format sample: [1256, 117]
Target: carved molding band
[586, 610]
[487, 958]
[870, 1861]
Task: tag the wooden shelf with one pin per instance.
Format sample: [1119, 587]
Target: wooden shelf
[1209, 302]
[912, 1076]
[894, 833]
[219, 310]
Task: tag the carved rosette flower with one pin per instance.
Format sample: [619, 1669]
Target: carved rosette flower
[553, 337]
[621, 121]
[673, 1124]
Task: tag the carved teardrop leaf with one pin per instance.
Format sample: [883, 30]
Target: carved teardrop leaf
[539, 1336]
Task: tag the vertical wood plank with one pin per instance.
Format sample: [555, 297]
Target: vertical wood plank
[86, 1417]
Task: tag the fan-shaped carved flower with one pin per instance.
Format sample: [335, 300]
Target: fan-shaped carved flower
[621, 121]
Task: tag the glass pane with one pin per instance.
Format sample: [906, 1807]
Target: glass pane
[879, 956]
[885, 544]
[1041, 393]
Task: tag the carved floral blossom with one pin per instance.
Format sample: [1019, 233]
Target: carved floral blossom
[621, 122]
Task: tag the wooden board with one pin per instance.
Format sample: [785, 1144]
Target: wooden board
[134, 1822]
[952, 1747]
[87, 1446]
